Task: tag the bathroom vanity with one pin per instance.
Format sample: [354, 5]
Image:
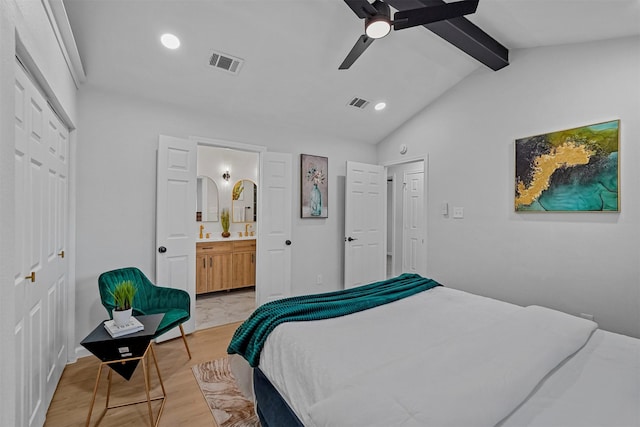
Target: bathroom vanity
[225, 264]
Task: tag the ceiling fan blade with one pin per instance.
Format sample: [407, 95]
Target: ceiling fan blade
[429, 14]
[362, 8]
[361, 45]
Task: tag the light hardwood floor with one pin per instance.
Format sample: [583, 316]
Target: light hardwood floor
[184, 406]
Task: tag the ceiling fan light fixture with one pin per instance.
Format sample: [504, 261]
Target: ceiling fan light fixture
[377, 27]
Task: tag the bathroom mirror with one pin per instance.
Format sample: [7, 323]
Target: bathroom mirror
[207, 200]
[243, 201]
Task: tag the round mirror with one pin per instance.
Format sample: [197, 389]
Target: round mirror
[207, 200]
[244, 201]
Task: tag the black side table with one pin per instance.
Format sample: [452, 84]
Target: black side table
[122, 355]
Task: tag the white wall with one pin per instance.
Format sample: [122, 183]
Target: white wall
[29, 22]
[118, 138]
[574, 262]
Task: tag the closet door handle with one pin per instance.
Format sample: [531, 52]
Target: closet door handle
[32, 276]
[162, 249]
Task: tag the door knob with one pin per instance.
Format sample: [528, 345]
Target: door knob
[287, 242]
[162, 249]
[350, 239]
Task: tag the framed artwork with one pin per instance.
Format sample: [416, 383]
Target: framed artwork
[314, 186]
[573, 170]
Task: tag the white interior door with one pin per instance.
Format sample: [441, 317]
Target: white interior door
[175, 220]
[365, 224]
[41, 271]
[413, 255]
[274, 243]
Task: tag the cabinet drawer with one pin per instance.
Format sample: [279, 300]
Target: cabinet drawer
[244, 245]
[213, 247]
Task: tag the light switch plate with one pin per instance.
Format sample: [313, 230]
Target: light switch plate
[458, 212]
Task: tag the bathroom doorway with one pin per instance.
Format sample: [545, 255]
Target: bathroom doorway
[228, 179]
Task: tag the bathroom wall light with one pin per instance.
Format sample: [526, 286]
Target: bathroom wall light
[226, 176]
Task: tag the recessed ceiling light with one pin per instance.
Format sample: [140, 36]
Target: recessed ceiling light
[170, 41]
[380, 106]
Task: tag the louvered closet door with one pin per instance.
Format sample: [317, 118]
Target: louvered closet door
[41, 179]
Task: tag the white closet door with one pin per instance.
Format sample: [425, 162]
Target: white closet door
[41, 180]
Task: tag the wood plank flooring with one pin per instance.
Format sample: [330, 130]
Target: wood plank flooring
[184, 406]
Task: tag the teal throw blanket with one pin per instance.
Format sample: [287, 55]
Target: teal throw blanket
[250, 337]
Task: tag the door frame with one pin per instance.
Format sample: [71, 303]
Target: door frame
[391, 219]
[425, 163]
[239, 146]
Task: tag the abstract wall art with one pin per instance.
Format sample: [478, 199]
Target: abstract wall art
[573, 170]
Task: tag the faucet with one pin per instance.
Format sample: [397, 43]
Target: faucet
[246, 229]
[201, 230]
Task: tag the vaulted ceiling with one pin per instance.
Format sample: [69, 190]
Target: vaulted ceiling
[291, 50]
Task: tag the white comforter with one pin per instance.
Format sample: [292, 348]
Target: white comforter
[440, 358]
[475, 379]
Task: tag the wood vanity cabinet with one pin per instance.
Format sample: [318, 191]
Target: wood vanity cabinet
[225, 265]
[244, 263]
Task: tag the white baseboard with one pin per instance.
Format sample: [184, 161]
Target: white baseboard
[81, 352]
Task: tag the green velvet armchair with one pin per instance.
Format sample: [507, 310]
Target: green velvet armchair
[149, 299]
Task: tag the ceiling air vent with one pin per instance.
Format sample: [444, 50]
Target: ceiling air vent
[225, 62]
[358, 103]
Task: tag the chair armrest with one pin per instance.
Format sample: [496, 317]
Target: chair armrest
[163, 297]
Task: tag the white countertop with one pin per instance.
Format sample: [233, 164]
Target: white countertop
[218, 238]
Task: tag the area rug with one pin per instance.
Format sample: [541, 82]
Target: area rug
[228, 406]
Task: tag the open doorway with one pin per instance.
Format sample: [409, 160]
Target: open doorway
[406, 219]
[226, 233]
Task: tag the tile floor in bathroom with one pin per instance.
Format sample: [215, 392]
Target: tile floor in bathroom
[220, 308]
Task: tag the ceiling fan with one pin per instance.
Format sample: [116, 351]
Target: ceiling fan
[378, 23]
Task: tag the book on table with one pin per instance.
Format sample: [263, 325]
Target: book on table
[133, 325]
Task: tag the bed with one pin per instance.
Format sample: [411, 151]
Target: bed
[439, 357]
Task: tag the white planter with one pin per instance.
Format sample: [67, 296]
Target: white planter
[121, 318]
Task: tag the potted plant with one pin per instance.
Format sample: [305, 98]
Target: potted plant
[123, 294]
[224, 220]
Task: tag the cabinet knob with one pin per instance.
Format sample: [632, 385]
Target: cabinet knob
[287, 242]
[162, 249]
